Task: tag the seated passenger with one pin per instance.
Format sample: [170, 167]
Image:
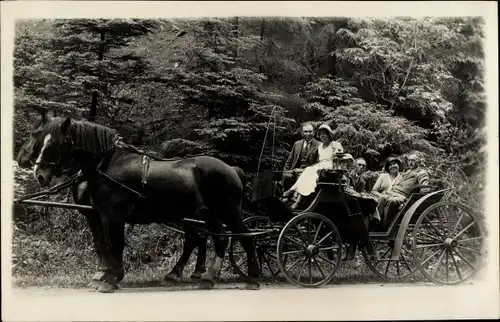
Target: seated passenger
[401, 188]
[385, 181]
[356, 178]
[306, 183]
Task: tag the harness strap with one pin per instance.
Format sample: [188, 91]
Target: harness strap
[121, 185]
[145, 171]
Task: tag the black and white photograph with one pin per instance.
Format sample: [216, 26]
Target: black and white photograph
[210, 165]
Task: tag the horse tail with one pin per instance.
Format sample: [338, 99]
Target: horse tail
[242, 175]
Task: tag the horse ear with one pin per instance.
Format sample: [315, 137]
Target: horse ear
[66, 124]
[49, 116]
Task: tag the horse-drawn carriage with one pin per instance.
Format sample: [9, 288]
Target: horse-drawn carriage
[306, 246]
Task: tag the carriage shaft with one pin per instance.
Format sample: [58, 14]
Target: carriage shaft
[55, 204]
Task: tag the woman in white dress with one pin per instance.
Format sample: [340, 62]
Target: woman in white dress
[306, 183]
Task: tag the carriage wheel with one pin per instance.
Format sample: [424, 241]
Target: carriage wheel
[265, 247]
[309, 250]
[448, 243]
[395, 270]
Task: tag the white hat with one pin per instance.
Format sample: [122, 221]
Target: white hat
[327, 128]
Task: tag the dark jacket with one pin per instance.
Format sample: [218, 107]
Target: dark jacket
[296, 153]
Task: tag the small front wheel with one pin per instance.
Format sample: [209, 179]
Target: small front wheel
[265, 247]
[309, 250]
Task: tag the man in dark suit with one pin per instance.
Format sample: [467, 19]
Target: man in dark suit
[304, 153]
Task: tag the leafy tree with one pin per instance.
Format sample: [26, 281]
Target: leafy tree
[233, 110]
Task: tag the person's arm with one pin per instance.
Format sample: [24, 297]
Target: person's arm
[423, 179]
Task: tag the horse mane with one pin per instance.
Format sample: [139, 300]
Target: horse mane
[86, 136]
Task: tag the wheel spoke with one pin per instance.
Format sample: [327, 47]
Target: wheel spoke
[317, 232]
[429, 245]
[386, 252]
[327, 260]
[243, 262]
[295, 263]
[319, 268]
[463, 230]
[328, 248]
[405, 262]
[469, 249]
[324, 238]
[432, 237]
[310, 271]
[434, 228]
[432, 255]
[296, 242]
[387, 267]
[301, 270]
[466, 261]
[469, 239]
[447, 273]
[438, 263]
[301, 236]
[309, 230]
[439, 218]
[456, 266]
[456, 225]
[293, 252]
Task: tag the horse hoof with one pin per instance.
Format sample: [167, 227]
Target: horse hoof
[173, 278]
[206, 284]
[106, 287]
[252, 286]
[196, 276]
[94, 284]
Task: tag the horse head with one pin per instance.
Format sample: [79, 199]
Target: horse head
[70, 145]
[30, 149]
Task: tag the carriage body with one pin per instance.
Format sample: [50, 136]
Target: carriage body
[342, 218]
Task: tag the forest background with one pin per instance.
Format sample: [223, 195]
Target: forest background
[181, 87]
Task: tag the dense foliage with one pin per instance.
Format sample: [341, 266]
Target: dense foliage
[232, 87]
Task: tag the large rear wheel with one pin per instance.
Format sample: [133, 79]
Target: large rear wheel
[448, 243]
[309, 250]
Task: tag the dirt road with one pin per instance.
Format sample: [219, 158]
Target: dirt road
[231, 302]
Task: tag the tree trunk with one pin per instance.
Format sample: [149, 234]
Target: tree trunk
[237, 35]
[93, 105]
[262, 25]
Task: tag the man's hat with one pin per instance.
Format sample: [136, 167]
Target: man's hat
[392, 159]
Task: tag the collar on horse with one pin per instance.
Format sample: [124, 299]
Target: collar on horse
[118, 143]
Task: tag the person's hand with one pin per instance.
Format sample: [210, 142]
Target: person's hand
[298, 171]
[288, 174]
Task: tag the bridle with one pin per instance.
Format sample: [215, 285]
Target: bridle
[62, 159]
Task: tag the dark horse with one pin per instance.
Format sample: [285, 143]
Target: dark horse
[201, 188]
[26, 158]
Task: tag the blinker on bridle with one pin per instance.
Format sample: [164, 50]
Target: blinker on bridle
[57, 165]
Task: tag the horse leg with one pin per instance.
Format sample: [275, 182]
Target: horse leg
[202, 255]
[99, 245]
[235, 224]
[190, 243]
[220, 244]
[114, 233]
[81, 196]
